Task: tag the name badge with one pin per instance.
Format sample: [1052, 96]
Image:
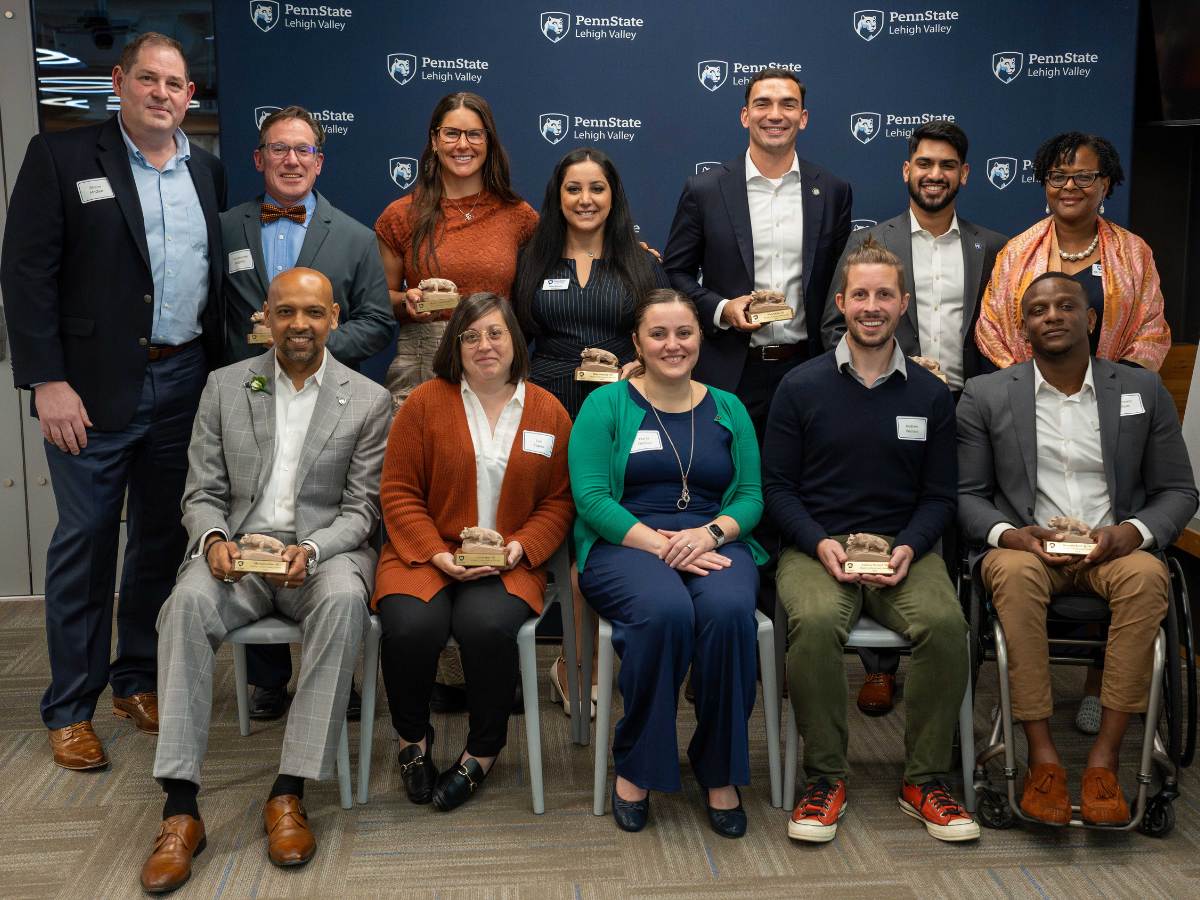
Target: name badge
[1097, 270]
[538, 442]
[94, 189]
[646, 440]
[556, 284]
[911, 428]
[240, 260]
[1131, 405]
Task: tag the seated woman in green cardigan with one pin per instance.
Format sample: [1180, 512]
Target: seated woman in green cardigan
[665, 473]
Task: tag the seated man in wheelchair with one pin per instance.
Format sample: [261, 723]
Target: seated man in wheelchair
[289, 444]
[861, 440]
[1067, 435]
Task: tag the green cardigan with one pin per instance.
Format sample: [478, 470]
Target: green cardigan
[601, 439]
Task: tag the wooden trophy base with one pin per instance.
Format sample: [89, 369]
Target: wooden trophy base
[261, 566]
[776, 316]
[606, 377]
[480, 559]
[1069, 548]
[435, 301]
[258, 338]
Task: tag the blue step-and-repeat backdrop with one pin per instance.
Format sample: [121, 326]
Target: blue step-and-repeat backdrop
[659, 87]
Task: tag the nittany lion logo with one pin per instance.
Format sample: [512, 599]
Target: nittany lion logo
[868, 23]
[1001, 171]
[554, 126]
[705, 166]
[1007, 66]
[860, 224]
[264, 14]
[712, 73]
[402, 67]
[864, 126]
[261, 112]
[403, 170]
[556, 26]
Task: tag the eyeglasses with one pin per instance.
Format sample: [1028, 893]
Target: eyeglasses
[1082, 179]
[451, 135]
[471, 338]
[304, 152]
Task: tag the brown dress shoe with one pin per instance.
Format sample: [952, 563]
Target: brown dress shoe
[290, 841]
[1102, 802]
[1045, 796]
[875, 696]
[180, 840]
[142, 708]
[77, 747]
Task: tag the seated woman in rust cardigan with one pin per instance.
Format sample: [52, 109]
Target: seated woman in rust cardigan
[476, 446]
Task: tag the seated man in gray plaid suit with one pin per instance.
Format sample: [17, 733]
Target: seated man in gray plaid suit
[288, 444]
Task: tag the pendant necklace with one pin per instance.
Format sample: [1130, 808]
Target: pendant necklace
[468, 215]
[684, 498]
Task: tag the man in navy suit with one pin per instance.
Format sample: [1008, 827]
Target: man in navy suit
[765, 220]
[112, 284]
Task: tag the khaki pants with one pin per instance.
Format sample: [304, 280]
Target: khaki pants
[413, 365]
[1135, 587]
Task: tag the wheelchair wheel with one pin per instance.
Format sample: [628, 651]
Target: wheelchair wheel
[993, 811]
[1170, 723]
[1158, 819]
[1183, 607]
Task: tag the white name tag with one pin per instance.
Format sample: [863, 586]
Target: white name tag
[911, 428]
[538, 442]
[646, 440]
[1131, 405]
[556, 284]
[1097, 270]
[94, 189]
[240, 261]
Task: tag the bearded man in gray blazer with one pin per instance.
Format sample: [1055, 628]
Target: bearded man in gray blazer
[288, 444]
[1066, 435]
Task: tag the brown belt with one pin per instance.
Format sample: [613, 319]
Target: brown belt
[163, 351]
[773, 351]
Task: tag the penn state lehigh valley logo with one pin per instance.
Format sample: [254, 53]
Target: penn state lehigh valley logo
[864, 126]
[860, 224]
[264, 14]
[261, 112]
[868, 23]
[705, 166]
[1001, 171]
[712, 73]
[555, 26]
[402, 67]
[554, 126]
[1007, 66]
[403, 170]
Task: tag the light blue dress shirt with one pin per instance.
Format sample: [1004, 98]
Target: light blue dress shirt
[177, 238]
[283, 238]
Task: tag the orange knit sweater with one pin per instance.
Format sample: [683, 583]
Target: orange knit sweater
[428, 493]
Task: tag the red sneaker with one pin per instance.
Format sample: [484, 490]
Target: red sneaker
[818, 811]
[943, 817]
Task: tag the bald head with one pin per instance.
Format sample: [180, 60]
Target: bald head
[300, 313]
[301, 283]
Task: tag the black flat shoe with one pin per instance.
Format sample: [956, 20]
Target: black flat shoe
[730, 823]
[269, 702]
[418, 771]
[631, 815]
[454, 787]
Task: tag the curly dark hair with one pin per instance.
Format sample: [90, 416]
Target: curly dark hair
[1061, 149]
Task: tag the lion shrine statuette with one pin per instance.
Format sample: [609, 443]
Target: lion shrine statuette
[437, 294]
[598, 365]
[867, 554]
[260, 333]
[261, 553]
[480, 547]
[932, 365]
[1077, 534]
[768, 306]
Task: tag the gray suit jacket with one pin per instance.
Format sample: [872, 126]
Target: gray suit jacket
[1145, 459]
[337, 482]
[980, 247]
[343, 250]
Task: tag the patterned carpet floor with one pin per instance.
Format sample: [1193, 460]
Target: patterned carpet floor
[84, 835]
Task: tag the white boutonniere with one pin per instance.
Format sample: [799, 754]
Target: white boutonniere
[258, 383]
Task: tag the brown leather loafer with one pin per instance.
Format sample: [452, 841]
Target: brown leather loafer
[142, 708]
[1045, 796]
[1101, 801]
[875, 696]
[290, 841]
[77, 747]
[180, 840]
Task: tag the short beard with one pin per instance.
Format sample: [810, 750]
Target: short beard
[938, 206]
[857, 337]
[302, 356]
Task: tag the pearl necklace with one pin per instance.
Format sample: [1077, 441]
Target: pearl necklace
[1073, 257]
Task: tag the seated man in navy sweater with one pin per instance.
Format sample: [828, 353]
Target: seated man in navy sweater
[859, 440]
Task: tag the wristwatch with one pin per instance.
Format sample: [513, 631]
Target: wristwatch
[310, 551]
[715, 530]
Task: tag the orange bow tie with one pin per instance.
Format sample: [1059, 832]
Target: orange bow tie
[271, 212]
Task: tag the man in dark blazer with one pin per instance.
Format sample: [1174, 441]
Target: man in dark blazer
[112, 285]
[290, 225]
[1066, 435]
[765, 220]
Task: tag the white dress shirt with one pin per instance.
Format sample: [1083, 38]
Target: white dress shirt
[1070, 460]
[492, 448]
[777, 227]
[938, 294]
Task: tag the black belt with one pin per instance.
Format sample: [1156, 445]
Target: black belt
[773, 352]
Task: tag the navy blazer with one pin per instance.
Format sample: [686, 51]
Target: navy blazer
[711, 233]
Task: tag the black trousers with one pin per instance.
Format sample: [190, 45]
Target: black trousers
[756, 388]
[484, 618]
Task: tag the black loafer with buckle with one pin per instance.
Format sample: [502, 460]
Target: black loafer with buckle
[631, 815]
[455, 786]
[418, 771]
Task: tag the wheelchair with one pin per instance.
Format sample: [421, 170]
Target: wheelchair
[1166, 748]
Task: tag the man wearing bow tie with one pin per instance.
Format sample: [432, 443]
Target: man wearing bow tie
[292, 225]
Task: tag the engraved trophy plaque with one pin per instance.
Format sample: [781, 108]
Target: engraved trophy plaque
[437, 294]
[867, 554]
[260, 333]
[1076, 537]
[480, 547]
[768, 306]
[598, 365]
[261, 554]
